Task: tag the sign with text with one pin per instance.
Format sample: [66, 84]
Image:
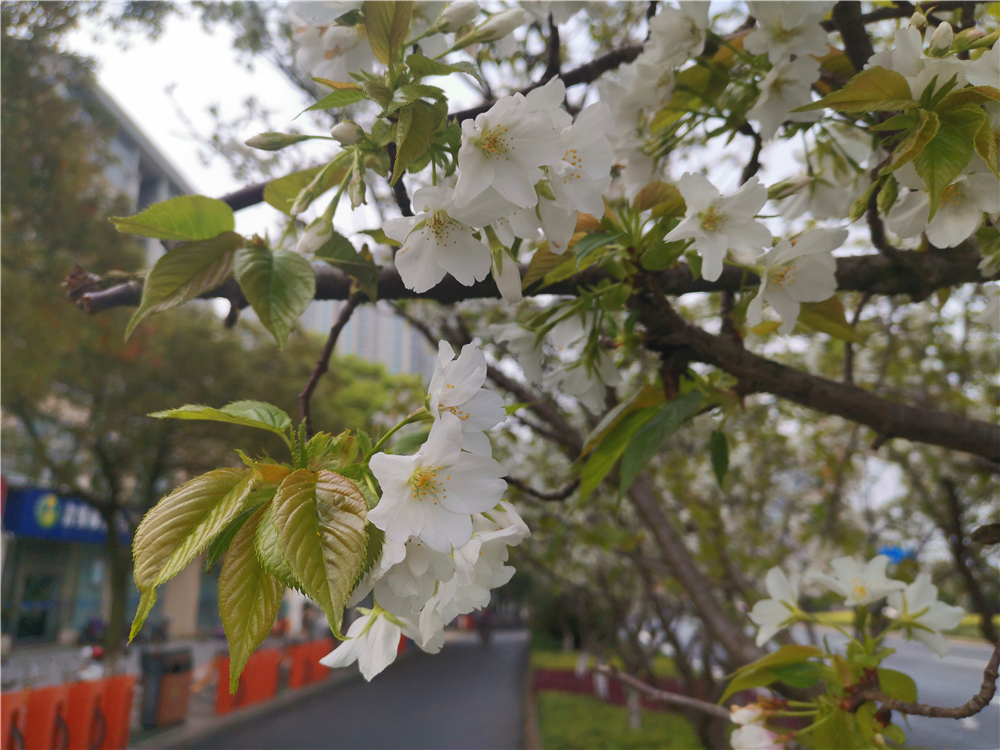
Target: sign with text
[42, 514]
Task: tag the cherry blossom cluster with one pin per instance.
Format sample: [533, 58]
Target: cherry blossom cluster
[918, 613]
[524, 166]
[447, 529]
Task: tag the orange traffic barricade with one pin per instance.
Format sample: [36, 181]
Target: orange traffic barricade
[88, 726]
[46, 726]
[118, 695]
[262, 682]
[13, 719]
[306, 668]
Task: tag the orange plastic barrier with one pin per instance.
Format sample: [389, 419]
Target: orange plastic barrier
[305, 657]
[46, 727]
[118, 695]
[258, 683]
[88, 726]
[263, 678]
[13, 719]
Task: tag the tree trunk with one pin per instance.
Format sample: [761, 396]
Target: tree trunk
[120, 567]
[633, 702]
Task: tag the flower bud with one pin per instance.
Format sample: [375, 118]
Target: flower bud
[918, 20]
[315, 236]
[347, 132]
[786, 188]
[457, 14]
[274, 141]
[943, 37]
[500, 25]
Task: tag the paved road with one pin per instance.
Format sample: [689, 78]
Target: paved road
[467, 696]
[950, 681]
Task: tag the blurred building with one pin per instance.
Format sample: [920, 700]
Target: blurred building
[55, 579]
[377, 334]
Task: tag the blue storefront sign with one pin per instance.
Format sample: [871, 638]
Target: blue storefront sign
[42, 514]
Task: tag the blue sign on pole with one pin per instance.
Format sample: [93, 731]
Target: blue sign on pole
[42, 514]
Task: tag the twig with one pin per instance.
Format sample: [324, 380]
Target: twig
[552, 68]
[972, 707]
[753, 166]
[557, 496]
[664, 696]
[901, 10]
[848, 346]
[323, 363]
[399, 189]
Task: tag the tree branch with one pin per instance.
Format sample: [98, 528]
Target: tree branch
[557, 496]
[851, 25]
[323, 364]
[664, 696]
[667, 331]
[753, 165]
[552, 68]
[972, 707]
[399, 189]
[917, 274]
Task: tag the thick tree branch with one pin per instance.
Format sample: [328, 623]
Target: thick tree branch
[917, 274]
[974, 705]
[851, 25]
[552, 68]
[668, 331]
[323, 364]
[399, 189]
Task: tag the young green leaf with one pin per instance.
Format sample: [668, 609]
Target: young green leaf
[421, 66]
[874, 89]
[947, 154]
[988, 146]
[320, 518]
[648, 441]
[718, 447]
[897, 685]
[340, 253]
[414, 135]
[926, 128]
[180, 526]
[543, 261]
[604, 455]
[279, 286]
[828, 316]
[247, 413]
[184, 273]
[589, 243]
[269, 551]
[647, 396]
[387, 24]
[249, 598]
[187, 218]
[802, 675]
[218, 546]
[374, 540]
[339, 98]
[282, 192]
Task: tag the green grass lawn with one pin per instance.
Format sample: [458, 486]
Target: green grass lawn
[579, 722]
[663, 667]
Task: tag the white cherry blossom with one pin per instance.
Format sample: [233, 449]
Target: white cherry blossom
[332, 52]
[991, 315]
[456, 388]
[678, 34]
[323, 13]
[788, 28]
[906, 57]
[785, 87]
[558, 224]
[579, 180]
[773, 614]
[373, 641]
[984, 70]
[859, 584]
[755, 737]
[405, 587]
[752, 713]
[929, 616]
[439, 239]
[521, 343]
[719, 223]
[797, 271]
[505, 148]
[585, 384]
[433, 493]
[957, 218]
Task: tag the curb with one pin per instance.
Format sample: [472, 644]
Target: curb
[202, 729]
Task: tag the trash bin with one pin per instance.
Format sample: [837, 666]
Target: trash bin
[118, 709]
[166, 686]
[85, 715]
[46, 723]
